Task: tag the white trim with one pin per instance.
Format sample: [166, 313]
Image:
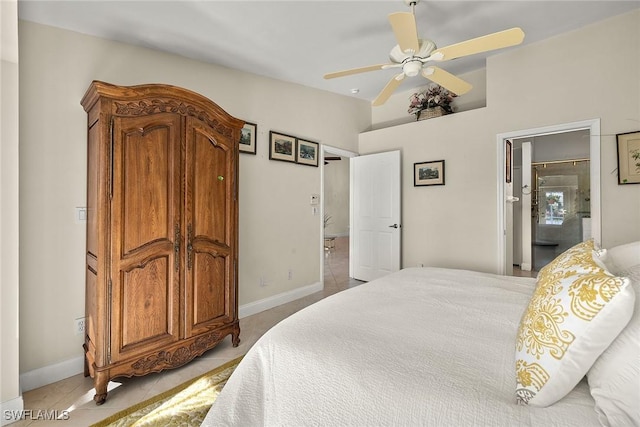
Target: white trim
[51, 373]
[594, 155]
[276, 300]
[13, 406]
[338, 151]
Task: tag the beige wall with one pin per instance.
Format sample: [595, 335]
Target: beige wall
[9, 362]
[278, 233]
[556, 81]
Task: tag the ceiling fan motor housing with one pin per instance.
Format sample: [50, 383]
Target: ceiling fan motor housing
[412, 67]
[426, 47]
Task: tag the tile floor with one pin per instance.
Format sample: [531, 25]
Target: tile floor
[522, 273]
[75, 394]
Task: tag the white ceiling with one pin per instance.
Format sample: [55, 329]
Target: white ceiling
[299, 41]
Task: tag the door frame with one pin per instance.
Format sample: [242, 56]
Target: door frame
[593, 125]
[526, 203]
[337, 152]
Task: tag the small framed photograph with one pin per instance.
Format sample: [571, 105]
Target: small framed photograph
[248, 138]
[307, 152]
[428, 173]
[282, 147]
[628, 158]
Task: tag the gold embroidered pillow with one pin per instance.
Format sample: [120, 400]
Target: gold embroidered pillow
[576, 311]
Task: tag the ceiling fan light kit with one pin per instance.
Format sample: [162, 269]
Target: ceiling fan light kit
[412, 55]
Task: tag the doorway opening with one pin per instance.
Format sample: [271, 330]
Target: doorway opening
[335, 212]
[559, 204]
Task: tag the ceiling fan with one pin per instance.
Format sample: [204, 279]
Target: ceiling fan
[412, 55]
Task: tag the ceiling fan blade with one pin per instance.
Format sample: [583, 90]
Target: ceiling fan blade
[446, 80]
[388, 90]
[406, 31]
[506, 38]
[355, 71]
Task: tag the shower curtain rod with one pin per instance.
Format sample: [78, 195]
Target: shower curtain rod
[551, 162]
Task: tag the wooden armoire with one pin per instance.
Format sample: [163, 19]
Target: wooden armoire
[162, 229]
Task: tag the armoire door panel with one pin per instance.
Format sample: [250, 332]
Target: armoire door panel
[146, 238]
[211, 179]
[209, 297]
[146, 173]
[148, 305]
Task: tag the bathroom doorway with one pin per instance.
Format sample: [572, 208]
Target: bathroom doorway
[559, 204]
[555, 196]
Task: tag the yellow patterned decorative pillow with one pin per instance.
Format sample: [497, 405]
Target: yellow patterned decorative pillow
[576, 311]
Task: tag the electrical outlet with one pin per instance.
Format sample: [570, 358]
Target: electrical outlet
[80, 325]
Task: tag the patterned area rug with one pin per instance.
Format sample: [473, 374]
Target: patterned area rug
[184, 405]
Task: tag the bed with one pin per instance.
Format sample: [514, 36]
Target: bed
[423, 346]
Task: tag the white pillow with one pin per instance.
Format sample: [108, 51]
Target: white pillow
[614, 379]
[576, 311]
[623, 257]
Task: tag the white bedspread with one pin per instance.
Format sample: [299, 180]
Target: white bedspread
[424, 346]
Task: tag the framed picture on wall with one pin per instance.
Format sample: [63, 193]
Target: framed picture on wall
[507, 158]
[282, 147]
[307, 152]
[248, 138]
[428, 173]
[628, 158]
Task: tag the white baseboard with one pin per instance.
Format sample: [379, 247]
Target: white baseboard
[11, 410]
[59, 371]
[276, 300]
[52, 373]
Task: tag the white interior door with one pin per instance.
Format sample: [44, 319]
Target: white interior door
[527, 193]
[375, 215]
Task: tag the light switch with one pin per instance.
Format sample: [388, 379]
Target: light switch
[315, 199]
[81, 214]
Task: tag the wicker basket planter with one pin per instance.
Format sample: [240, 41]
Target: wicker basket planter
[429, 113]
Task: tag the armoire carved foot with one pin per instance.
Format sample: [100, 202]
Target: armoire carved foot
[101, 382]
